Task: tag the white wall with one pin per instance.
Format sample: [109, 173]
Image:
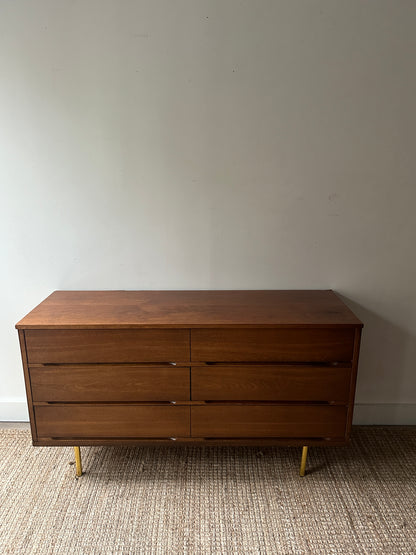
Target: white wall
[213, 144]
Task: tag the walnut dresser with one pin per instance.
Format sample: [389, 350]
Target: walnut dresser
[190, 367]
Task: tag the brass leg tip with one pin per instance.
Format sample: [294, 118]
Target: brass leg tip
[78, 462]
[303, 461]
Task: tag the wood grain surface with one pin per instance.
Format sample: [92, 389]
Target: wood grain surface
[118, 421]
[268, 421]
[89, 346]
[108, 367]
[271, 383]
[111, 383]
[189, 309]
[274, 345]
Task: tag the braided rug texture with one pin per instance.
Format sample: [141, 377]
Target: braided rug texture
[355, 499]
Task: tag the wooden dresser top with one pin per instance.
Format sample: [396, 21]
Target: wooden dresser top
[189, 309]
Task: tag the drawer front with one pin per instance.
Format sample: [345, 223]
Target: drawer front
[268, 421]
[274, 345]
[89, 346]
[270, 383]
[109, 383]
[111, 421]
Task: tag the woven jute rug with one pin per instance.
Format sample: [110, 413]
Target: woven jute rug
[355, 499]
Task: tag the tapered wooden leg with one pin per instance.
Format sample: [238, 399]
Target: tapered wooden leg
[78, 462]
[303, 461]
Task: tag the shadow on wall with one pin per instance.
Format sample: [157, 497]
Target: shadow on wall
[385, 349]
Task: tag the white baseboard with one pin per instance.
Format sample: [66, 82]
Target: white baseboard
[15, 410]
[392, 414]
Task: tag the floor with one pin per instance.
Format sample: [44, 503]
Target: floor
[15, 425]
[360, 498]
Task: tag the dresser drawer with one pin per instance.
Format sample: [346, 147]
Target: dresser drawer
[268, 421]
[89, 346]
[270, 383]
[274, 345]
[111, 421]
[111, 383]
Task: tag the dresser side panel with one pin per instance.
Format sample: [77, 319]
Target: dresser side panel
[22, 342]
